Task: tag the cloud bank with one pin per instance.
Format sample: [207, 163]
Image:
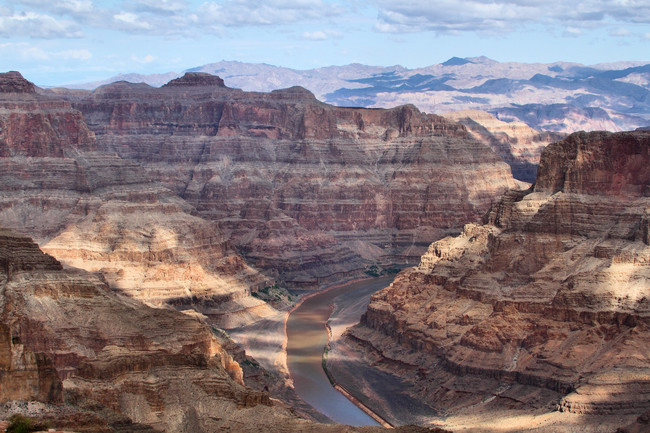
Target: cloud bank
[49, 19]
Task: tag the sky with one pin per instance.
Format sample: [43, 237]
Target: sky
[73, 41]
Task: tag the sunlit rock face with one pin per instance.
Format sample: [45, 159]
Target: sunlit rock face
[544, 306]
[517, 143]
[96, 211]
[309, 192]
[66, 333]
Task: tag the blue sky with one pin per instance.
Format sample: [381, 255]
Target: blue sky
[68, 41]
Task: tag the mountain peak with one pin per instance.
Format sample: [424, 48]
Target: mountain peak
[456, 61]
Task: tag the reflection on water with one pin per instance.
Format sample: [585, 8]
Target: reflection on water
[307, 337]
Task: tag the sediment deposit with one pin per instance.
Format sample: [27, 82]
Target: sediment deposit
[544, 307]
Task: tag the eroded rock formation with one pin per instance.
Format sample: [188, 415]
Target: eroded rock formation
[309, 192]
[517, 143]
[96, 211]
[118, 365]
[545, 306]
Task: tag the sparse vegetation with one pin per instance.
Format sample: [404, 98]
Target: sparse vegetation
[22, 424]
[376, 270]
[373, 271]
[274, 295]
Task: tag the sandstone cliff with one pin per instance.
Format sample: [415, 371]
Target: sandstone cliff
[309, 192]
[517, 143]
[96, 211]
[546, 306]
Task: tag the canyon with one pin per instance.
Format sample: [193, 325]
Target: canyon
[139, 222]
[543, 309]
[104, 349]
[308, 193]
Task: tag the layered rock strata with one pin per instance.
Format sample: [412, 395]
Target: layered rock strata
[545, 306]
[315, 192]
[116, 364]
[96, 211]
[517, 143]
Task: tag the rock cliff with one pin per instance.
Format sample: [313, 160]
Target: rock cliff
[517, 143]
[545, 306]
[309, 192]
[96, 211]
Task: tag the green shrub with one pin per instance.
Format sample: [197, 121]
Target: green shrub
[22, 424]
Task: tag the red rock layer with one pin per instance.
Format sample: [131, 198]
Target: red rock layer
[310, 190]
[33, 125]
[547, 303]
[96, 211]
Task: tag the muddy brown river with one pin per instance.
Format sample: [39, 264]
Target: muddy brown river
[306, 340]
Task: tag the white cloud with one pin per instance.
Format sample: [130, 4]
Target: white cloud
[162, 17]
[78, 54]
[446, 16]
[315, 36]
[572, 32]
[233, 13]
[321, 35]
[131, 21]
[143, 60]
[80, 10]
[35, 25]
[620, 32]
[34, 54]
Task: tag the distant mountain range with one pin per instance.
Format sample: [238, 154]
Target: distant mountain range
[560, 96]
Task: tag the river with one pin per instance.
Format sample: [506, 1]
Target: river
[306, 339]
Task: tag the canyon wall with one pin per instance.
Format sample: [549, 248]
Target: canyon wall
[545, 306]
[307, 192]
[96, 211]
[519, 145]
[119, 365]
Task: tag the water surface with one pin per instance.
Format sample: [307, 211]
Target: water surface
[306, 339]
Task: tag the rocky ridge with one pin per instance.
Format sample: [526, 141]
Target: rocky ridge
[308, 192]
[543, 307]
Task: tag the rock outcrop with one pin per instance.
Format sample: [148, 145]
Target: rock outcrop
[517, 143]
[96, 211]
[546, 305]
[308, 192]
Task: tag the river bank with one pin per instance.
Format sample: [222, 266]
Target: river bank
[306, 339]
[382, 392]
